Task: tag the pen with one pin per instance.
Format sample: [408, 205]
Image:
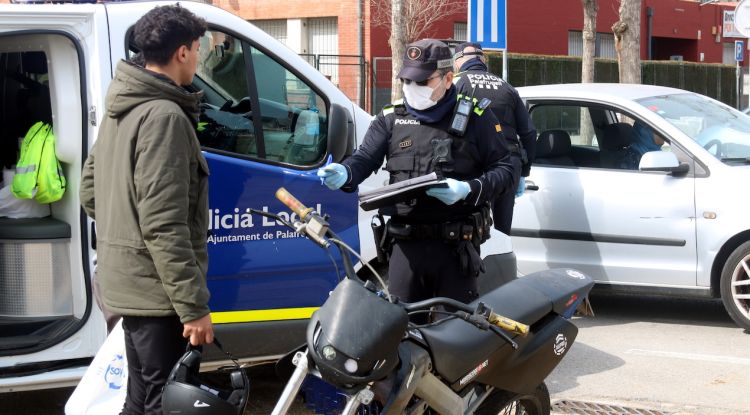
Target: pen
[329, 160]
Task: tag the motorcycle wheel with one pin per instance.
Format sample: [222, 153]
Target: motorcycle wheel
[502, 402]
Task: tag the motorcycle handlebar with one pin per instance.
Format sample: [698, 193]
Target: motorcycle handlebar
[493, 318]
[503, 322]
[508, 324]
[292, 203]
[431, 302]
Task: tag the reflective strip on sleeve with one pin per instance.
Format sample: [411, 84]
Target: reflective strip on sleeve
[26, 169]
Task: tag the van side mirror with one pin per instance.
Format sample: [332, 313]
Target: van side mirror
[340, 133]
[663, 161]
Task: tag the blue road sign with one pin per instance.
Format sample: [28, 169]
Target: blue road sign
[739, 50]
[487, 23]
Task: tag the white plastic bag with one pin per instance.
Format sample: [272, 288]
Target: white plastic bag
[102, 389]
[13, 207]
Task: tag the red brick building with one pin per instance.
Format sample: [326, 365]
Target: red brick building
[670, 29]
[329, 34]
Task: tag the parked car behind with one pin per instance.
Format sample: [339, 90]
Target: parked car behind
[642, 187]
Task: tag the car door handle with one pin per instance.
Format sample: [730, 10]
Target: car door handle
[531, 185]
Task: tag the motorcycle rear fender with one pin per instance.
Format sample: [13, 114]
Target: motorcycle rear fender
[563, 286]
[524, 369]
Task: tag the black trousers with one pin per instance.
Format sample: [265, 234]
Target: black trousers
[153, 346]
[422, 269]
[502, 206]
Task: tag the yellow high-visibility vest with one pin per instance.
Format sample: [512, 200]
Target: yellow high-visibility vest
[38, 172]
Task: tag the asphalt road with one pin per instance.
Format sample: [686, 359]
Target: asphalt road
[673, 355]
[670, 356]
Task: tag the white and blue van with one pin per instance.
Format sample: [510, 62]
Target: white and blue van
[269, 119]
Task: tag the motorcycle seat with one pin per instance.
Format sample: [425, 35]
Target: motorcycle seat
[527, 300]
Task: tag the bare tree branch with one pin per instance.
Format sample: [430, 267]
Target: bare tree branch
[415, 17]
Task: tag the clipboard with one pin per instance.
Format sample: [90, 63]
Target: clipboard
[399, 192]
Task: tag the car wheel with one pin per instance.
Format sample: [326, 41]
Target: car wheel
[735, 285]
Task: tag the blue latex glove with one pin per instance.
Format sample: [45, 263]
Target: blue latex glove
[521, 187]
[333, 175]
[456, 190]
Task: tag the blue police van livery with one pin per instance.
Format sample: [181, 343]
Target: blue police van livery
[268, 120]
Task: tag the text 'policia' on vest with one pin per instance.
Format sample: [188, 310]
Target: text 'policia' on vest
[38, 172]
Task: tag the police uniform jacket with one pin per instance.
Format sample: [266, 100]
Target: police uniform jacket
[403, 137]
[474, 80]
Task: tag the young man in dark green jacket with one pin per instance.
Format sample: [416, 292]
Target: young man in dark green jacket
[146, 185]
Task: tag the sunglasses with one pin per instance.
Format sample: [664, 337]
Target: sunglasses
[420, 83]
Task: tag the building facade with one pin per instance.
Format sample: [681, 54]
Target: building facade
[346, 40]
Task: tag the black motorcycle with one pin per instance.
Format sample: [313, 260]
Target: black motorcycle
[477, 358]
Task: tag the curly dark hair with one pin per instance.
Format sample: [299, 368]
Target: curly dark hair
[161, 31]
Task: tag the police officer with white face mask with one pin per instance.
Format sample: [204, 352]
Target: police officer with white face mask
[436, 236]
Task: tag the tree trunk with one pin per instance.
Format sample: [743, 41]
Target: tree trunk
[627, 33]
[398, 44]
[590, 7]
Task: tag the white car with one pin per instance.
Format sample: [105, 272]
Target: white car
[674, 220]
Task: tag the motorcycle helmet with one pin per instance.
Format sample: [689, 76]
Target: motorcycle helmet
[185, 393]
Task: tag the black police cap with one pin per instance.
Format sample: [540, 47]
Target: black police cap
[460, 50]
[424, 57]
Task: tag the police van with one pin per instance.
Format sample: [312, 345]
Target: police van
[268, 120]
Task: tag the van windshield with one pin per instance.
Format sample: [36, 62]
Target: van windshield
[722, 131]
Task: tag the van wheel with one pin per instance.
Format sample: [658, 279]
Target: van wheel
[502, 402]
[735, 286]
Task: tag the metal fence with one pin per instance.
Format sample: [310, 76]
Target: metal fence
[347, 72]
[713, 80]
[380, 88]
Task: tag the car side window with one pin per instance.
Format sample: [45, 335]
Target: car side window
[598, 137]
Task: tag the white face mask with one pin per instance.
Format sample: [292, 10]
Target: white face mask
[420, 97]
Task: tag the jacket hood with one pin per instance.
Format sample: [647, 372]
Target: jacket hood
[475, 64]
[134, 85]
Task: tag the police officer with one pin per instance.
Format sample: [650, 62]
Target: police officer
[436, 236]
[473, 79]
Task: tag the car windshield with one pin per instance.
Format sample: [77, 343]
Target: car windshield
[723, 131]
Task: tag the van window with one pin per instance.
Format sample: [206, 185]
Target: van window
[235, 78]
[294, 116]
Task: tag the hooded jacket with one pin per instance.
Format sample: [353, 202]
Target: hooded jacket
[146, 185]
